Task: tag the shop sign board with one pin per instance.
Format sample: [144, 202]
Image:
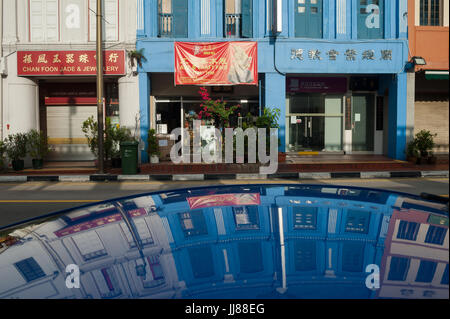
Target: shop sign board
[316, 85]
[216, 63]
[61, 63]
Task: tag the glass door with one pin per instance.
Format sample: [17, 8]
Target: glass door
[363, 123]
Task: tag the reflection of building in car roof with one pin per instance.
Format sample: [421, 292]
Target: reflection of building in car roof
[295, 241]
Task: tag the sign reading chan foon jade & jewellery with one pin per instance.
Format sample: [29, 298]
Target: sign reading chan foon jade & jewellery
[61, 63]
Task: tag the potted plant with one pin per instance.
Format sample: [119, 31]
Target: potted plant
[119, 135]
[424, 141]
[38, 148]
[153, 148]
[136, 57]
[16, 149]
[2, 152]
[90, 130]
[268, 120]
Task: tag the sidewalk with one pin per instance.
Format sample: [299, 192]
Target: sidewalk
[295, 167]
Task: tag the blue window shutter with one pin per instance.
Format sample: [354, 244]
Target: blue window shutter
[30, 269]
[426, 271]
[357, 221]
[250, 257]
[308, 19]
[180, 18]
[370, 24]
[201, 262]
[408, 230]
[247, 18]
[353, 257]
[305, 218]
[436, 235]
[398, 268]
[305, 255]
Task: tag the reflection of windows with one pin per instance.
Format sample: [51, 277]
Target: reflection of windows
[308, 18]
[29, 269]
[357, 221]
[398, 268]
[107, 283]
[435, 235]
[353, 257]
[250, 257]
[305, 255]
[89, 245]
[426, 271]
[431, 12]
[155, 277]
[246, 217]
[143, 231]
[305, 218]
[444, 280]
[193, 223]
[370, 19]
[408, 230]
[201, 262]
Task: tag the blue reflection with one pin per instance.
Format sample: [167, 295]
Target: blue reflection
[238, 242]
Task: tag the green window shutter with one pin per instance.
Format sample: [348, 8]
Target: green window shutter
[353, 257]
[250, 257]
[247, 18]
[180, 18]
[370, 19]
[201, 262]
[308, 18]
[305, 255]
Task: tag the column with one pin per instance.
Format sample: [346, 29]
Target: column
[144, 102]
[129, 102]
[275, 97]
[397, 116]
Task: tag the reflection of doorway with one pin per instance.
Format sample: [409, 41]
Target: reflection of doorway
[315, 123]
[363, 123]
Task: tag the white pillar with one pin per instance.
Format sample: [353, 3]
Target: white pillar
[129, 102]
[20, 101]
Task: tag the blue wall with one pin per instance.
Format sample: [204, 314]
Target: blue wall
[340, 33]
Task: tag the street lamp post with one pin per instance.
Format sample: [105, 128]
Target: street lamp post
[100, 93]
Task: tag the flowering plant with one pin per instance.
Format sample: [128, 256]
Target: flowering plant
[216, 110]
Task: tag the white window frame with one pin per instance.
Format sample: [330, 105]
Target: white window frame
[45, 28]
[92, 35]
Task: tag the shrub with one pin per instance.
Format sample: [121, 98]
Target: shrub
[153, 147]
[16, 146]
[37, 144]
[424, 142]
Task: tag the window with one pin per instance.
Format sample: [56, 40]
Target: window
[250, 257]
[29, 269]
[357, 221]
[305, 218]
[436, 235]
[444, 280]
[398, 268]
[246, 217]
[408, 230]
[44, 23]
[308, 18]
[370, 19]
[353, 257]
[201, 262]
[431, 12]
[155, 277]
[305, 255]
[238, 18]
[193, 223]
[426, 271]
[143, 231]
[89, 245]
[173, 18]
[111, 17]
[107, 283]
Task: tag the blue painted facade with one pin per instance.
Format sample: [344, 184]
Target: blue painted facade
[297, 52]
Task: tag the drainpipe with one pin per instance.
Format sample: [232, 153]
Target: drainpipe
[283, 287]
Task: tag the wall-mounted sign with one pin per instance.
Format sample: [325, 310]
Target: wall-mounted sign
[60, 63]
[316, 85]
[216, 63]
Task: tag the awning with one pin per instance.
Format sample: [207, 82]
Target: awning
[436, 75]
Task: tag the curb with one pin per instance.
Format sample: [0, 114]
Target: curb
[201, 177]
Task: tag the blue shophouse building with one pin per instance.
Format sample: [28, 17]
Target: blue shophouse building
[335, 69]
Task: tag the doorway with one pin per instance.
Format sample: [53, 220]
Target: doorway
[363, 122]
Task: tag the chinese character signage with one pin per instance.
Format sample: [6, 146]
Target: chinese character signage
[216, 63]
[47, 63]
[332, 54]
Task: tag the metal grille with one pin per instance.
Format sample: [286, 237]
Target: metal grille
[431, 12]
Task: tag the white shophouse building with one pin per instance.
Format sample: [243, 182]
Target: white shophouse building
[48, 69]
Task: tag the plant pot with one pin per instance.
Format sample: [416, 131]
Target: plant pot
[432, 160]
[116, 162]
[154, 159]
[18, 165]
[281, 157]
[412, 159]
[38, 163]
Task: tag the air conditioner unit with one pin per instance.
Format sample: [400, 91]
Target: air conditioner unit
[3, 67]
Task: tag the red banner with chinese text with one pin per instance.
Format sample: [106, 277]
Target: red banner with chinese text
[51, 63]
[216, 63]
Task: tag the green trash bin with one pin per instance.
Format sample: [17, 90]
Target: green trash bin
[129, 154]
